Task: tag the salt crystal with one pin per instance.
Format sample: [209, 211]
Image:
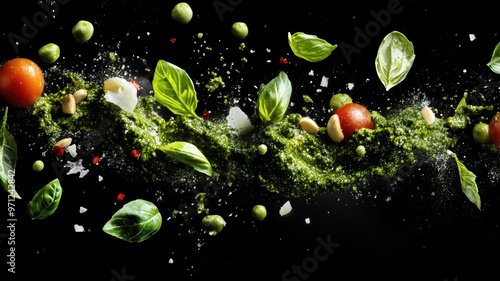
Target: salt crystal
[350, 86]
[83, 210]
[472, 37]
[286, 208]
[76, 167]
[324, 82]
[72, 150]
[311, 73]
[79, 228]
[170, 261]
[308, 221]
[100, 178]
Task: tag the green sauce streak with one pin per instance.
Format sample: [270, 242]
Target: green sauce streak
[296, 163]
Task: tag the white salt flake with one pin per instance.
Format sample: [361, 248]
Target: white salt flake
[286, 208]
[472, 37]
[170, 261]
[308, 221]
[100, 178]
[238, 120]
[76, 167]
[324, 82]
[350, 86]
[311, 73]
[83, 210]
[79, 228]
[72, 150]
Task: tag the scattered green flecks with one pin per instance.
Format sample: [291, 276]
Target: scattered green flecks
[215, 83]
[307, 98]
[199, 35]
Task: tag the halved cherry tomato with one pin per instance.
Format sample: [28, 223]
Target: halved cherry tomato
[494, 130]
[352, 117]
[21, 82]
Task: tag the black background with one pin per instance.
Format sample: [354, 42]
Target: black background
[415, 236]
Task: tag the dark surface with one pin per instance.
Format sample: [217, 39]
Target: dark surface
[415, 236]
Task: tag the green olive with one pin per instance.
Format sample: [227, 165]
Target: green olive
[38, 166]
[262, 149]
[49, 53]
[239, 30]
[182, 13]
[213, 223]
[259, 212]
[339, 100]
[480, 133]
[83, 31]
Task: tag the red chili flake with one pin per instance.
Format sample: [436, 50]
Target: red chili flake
[135, 154]
[120, 197]
[95, 160]
[58, 151]
[136, 84]
[172, 40]
[283, 60]
[206, 114]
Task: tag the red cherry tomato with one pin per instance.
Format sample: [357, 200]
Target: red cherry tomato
[494, 130]
[21, 82]
[352, 117]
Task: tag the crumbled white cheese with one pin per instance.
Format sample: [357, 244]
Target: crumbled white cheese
[308, 221]
[286, 208]
[472, 37]
[238, 120]
[76, 167]
[324, 82]
[83, 210]
[72, 150]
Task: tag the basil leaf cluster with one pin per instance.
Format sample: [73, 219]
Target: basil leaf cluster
[494, 63]
[274, 98]
[174, 89]
[135, 222]
[45, 201]
[394, 59]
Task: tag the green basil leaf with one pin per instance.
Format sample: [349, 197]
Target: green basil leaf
[310, 47]
[45, 201]
[394, 59]
[274, 98]
[468, 182]
[188, 154]
[8, 160]
[135, 222]
[174, 89]
[494, 63]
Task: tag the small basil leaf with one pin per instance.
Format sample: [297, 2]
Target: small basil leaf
[174, 89]
[45, 202]
[135, 222]
[310, 47]
[468, 182]
[8, 160]
[274, 98]
[394, 59]
[494, 63]
[188, 154]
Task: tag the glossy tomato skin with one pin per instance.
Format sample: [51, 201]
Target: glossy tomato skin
[494, 130]
[21, 82]
[352, 117]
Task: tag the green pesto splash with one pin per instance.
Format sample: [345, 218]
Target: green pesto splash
[296, 163]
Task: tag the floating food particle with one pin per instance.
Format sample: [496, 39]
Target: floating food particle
[58, 150]
[206, 114]
[172, 40]
[135, 154]
[120, 197]
[283, 60]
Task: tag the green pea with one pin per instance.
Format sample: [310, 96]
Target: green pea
[83, 31]
[480, 133]
[339, 100]
[182, 13]
[239, 30]
[213, 223]
[262, 149]
[38, 166]
[259, 212]
[361, 150]
[49, 53]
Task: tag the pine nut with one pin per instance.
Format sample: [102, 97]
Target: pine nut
[63, 143]
[79, 95]
[69, 104]
[333, 128]
[308, 125]
[428, 115]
